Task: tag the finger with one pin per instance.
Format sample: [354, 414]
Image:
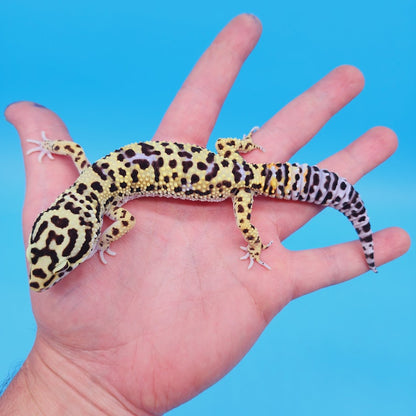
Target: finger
[314, 269]
[47, 179]
[294, 125]
[193, 112]
[353, 162]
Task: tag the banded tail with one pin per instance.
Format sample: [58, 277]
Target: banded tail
[301, 182]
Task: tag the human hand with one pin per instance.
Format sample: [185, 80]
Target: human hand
[175, 310]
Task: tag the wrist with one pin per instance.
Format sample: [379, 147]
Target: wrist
[51, 384]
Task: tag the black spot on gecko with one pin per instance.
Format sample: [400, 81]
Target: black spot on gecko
[85, 223]
[111, 174]
[39, 273]
[97, 187]
[70, 207]
[73, 235]
[279, 174]
[185, 154]
[213, 173]
[81, 188]
[60, 222]
[236, 173]
[194, 178]
[97, 169]
[367, 239]
[201, 166]
[327, 197]
[69, 149]
[85, 248]
[149, 149]
[41, 229]
[172, 163]
[366, 228]
[210, 157]
[318, 195]
[285, 167]
[202, 193]
[155, 166]
[143, 163]
[186, 165]
[134, 175]
[129, 153]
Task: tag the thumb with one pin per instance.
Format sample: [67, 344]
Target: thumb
[46, 180]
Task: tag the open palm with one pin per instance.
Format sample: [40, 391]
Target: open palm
[175, 309]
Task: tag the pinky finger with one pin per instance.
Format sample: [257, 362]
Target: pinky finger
[318, 268]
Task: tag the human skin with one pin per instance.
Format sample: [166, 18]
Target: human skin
[175, 310]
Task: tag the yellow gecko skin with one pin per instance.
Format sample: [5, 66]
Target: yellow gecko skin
[69, 231]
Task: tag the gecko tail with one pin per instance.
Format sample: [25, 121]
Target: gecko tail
[302, 182]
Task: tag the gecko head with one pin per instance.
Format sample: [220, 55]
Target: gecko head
[62, 237]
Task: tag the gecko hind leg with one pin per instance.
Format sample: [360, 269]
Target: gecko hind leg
[228, 146]
[242, 204]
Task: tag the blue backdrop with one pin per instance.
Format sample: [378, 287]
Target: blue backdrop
[110, 70]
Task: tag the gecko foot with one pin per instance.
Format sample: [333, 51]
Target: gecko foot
[252, 259]
[253, 130]
[248, 136]
[40, 147]
[108, 251]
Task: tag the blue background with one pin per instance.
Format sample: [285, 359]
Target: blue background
[110, 70]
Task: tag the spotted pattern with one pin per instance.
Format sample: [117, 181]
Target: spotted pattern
[70, 231]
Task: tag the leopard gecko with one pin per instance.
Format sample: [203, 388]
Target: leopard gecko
[69, 231]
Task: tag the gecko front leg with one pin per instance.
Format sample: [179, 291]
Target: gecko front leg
[123, 223]
[48, 147]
